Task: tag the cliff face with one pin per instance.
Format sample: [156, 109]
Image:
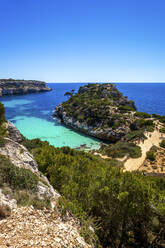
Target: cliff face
[12, 87]
[21, 158]
[99, 110]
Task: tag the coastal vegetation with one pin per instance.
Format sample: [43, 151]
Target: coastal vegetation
[120, 149]
[20, 184]
[125, 209]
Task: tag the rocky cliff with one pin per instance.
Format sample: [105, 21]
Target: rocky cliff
[40, 223]
[12, 87]
[99, 110]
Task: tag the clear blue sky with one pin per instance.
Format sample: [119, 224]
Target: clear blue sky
[83, 40]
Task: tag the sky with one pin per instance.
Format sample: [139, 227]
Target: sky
[83, 40]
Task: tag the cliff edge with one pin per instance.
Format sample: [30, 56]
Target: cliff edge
[12, 87]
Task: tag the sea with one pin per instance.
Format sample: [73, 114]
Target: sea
[32, 114]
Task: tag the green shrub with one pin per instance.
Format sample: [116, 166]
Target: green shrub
[142, 115]
[2, 141]
[33, 144]
[142, 124]
[125, 108]
[17, 178]
[162, 130]
[151, 156]
[156, 116]
[134, 135]
[120, 149]
[162, 144]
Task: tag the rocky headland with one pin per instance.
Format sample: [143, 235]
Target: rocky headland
[99, 110]
[12, 86]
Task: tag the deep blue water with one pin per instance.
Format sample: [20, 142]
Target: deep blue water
[32, 113]
[148, 97]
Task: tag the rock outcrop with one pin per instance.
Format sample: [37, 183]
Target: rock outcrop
[99, 110]
[12, 87]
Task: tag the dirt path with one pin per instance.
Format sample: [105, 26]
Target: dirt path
[102, 156]
[132, 163]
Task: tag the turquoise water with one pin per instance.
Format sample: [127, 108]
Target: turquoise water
[32, 115]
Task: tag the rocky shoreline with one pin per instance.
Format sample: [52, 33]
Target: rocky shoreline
[104, 134]
[17, 87]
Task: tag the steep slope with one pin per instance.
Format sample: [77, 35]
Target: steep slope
[12, 87]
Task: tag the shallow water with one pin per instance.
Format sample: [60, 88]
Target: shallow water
[32, 115]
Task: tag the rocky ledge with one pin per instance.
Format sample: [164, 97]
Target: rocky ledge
[12, 87]
[99, 110]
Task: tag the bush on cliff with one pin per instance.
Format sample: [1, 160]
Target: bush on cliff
[20, 184]
[17, 178]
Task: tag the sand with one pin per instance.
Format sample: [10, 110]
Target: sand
[133, 164]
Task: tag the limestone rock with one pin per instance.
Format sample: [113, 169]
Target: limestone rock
[27, 227]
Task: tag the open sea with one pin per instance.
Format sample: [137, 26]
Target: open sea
[32, 113]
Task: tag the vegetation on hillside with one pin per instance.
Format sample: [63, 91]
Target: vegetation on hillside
[120, 149]
[128, 209]
[161, 118]
[96, 104]
[21, 184]
[151, 154]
